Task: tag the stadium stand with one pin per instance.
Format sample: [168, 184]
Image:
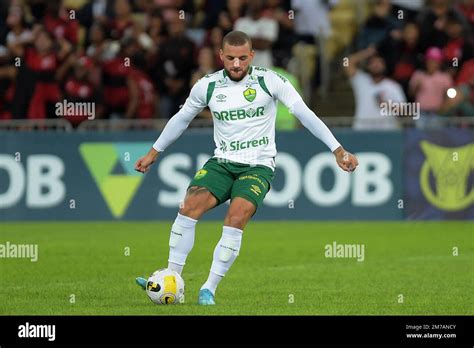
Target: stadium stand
[44, 45]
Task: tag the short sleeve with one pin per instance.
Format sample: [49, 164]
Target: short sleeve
[359, 79]
[395, 93]
[282, 89]
[415, 79]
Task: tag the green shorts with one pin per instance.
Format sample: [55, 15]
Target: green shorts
[226, 180]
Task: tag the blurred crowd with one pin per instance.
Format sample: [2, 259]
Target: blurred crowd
[419, 55]
[139, 58]
[131, 58]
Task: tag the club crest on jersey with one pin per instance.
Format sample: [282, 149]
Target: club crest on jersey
[250, 94]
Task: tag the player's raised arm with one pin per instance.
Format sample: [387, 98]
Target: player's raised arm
[287, 94]
[175, 127]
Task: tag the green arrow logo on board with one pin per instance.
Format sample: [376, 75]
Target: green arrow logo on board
[112, 167]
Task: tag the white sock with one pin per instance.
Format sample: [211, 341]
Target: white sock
[181, 242]
[225, 253]
[175, 267]
[212, 282]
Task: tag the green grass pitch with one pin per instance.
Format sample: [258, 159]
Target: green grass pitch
[281, 269]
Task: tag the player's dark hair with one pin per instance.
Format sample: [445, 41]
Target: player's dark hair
[236, 38]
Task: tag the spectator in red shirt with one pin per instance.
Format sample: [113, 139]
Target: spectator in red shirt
[434, 21]
[7, 90]
[37, 87]
[79, 88]
[146, 94]
[123, 19]
[128, 91]
[59, 23]
[466, 7]
[402, 54]
[118, 86]
[459, 47]
[18, 34]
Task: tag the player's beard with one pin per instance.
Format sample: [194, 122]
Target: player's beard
[236, 80]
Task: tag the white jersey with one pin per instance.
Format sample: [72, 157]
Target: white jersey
[243, 112]
[244, 115]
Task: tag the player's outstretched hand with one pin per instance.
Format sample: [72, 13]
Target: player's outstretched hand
[144, 163]
[345, 160]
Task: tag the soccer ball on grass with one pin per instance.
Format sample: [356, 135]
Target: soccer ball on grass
[165, 287]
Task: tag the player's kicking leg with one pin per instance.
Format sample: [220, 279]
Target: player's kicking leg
[248, 190]
[228, 247]
[198, 200]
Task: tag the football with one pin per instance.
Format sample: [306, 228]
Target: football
[165, 287]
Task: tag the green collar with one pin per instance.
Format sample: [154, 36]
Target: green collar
[250, 71]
